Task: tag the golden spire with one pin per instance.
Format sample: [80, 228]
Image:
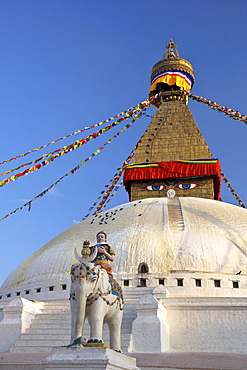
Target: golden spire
[170, 75]
[171, 51]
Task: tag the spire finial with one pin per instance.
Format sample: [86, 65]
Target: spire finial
[171, 51]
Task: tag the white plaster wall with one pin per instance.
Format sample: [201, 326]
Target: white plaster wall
[44, 295]
[207, 324]
[189, 289]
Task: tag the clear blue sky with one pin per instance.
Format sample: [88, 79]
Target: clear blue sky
[70, 64]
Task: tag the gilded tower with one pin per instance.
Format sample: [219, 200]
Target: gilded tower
[172, 159]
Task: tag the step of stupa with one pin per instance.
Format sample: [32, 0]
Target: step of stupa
[60, 305]
[44, 336]
[31, 345]
[42, 343]
[56, 316]
[27, 349]
[64, 331]
[42, 330]
[44, 325]
[66, 337]
[136, 293]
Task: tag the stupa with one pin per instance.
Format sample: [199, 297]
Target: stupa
[177, 245]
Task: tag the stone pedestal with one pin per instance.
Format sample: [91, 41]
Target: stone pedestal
[150, 331]
[88, 358]
[17, 317]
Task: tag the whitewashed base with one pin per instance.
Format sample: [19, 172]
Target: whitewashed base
[88, 358]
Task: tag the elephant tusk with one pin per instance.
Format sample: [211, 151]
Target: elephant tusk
[85, 260]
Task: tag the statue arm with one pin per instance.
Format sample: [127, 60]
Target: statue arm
[109, 256]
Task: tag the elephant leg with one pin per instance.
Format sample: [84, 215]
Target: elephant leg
[96, 326]
[73, 310]
[73, 318]
[115, 332]
[79, 327]
[80, 308]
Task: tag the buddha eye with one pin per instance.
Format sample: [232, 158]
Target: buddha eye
[154, 187]
[187, 186]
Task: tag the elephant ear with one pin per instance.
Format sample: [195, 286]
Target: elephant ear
[104, 284]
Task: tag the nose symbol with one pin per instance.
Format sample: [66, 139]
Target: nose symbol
[171, 193]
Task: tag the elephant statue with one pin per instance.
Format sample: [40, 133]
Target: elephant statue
[97, 297]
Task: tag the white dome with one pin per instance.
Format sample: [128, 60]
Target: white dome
[191, 234]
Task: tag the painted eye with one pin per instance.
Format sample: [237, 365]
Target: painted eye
[154, 187]
[187, 186]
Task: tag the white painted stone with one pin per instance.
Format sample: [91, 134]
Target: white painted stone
[212, 246]
[150, 331]
[88, 358]
[214, 240]
[160, 292]
[207, 324]
[196, 325]
[104, 306]
[17, 317]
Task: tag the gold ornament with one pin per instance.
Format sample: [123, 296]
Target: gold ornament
[86, 251]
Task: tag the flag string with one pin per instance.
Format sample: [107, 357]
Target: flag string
[227, 111]
[147, 101]
[107, 196]
[62, 151]
[141, 112]
[232, 190]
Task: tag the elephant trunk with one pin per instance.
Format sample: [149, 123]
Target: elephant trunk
[80, 313]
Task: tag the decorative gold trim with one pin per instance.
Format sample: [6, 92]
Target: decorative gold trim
[96, 345]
